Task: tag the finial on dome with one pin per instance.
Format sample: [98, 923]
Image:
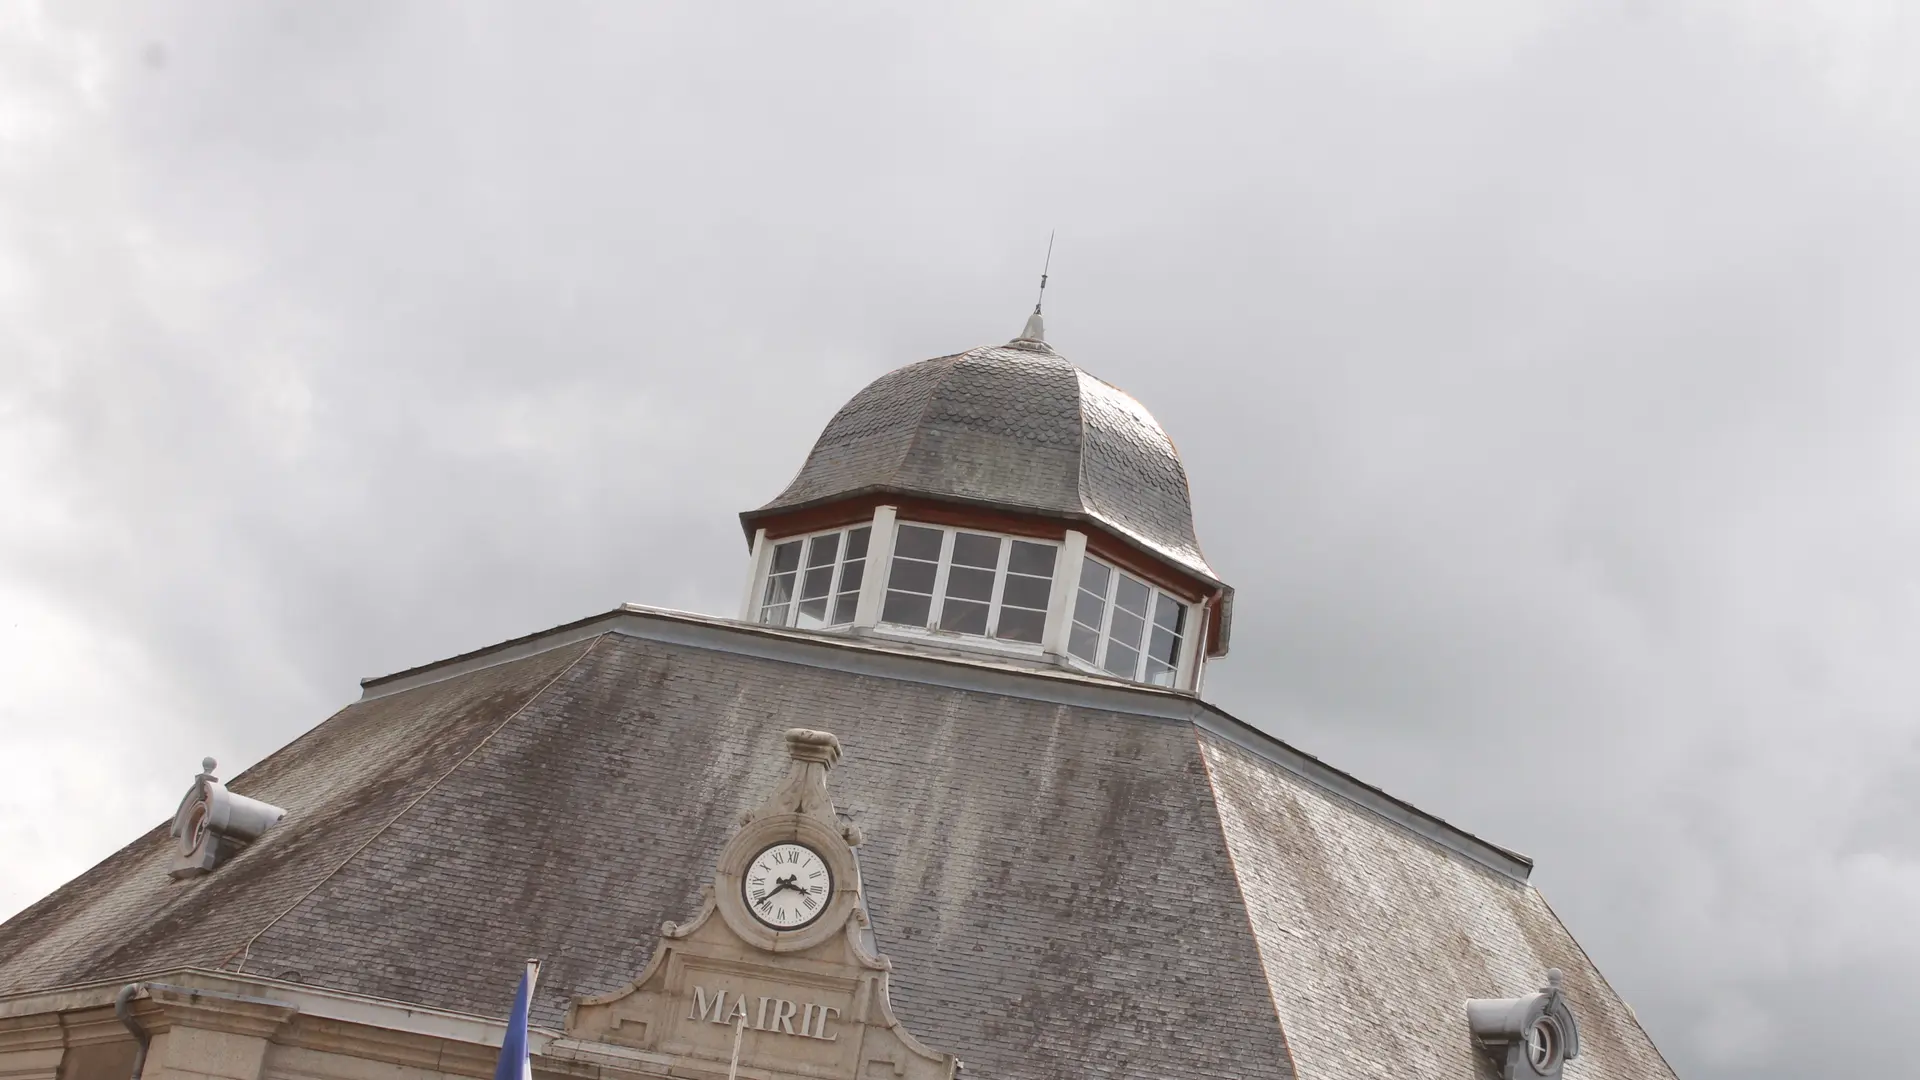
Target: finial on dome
[1036, 329]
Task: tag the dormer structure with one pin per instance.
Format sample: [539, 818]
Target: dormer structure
[1002, 501]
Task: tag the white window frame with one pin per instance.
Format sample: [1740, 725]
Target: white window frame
[766, 575]
[1155, 595]
[938, 601]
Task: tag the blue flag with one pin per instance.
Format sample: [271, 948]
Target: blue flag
[513, 1048]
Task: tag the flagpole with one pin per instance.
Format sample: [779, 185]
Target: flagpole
[533, 976]
[515, 1062]
[733, 1068]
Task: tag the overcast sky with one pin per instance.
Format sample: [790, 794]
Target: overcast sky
[1545, 373]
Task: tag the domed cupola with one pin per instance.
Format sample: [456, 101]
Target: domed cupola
[1019, 504]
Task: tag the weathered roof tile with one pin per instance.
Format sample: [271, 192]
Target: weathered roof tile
[1064, 889]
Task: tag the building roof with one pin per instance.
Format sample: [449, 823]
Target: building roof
[1071, 877]
[1013, 427]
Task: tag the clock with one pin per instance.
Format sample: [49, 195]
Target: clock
[787, 886]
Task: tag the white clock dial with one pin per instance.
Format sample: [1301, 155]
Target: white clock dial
[787, 886]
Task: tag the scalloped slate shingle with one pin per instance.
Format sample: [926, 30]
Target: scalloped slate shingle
[1010, 425]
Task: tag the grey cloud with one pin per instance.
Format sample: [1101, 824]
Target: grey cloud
[1544, 377]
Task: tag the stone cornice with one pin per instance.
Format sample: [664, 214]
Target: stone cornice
[167, 1006]
[202, 998]
[25, 1033]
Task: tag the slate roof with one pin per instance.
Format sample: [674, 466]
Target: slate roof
[1072, 878]
[1011, 426]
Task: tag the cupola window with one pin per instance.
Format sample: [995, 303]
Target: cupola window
[967, 582]
[814, 581]
[1126, 627]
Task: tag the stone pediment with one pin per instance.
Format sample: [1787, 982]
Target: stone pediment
[770, 978]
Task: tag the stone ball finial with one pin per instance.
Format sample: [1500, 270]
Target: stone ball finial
[207, 765]
[1553, 977]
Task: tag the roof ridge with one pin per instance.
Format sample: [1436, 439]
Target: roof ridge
[246, 948]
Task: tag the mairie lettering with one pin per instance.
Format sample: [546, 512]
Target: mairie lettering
[804, 1020]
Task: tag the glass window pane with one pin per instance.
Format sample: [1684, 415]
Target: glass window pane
[1132, 595]
[1093, 578]
[779, 590]
[852, 574]
[1121, 660]
[774, 606]
[1026, 592]
[1019, 624]
[963, 617]
[1171, 614]
[1031, 558]
[823, 549]
[857, 542]
[906, 609]
[786, 557]
[912, 575]
[1125, 627]
[917, 542]
[843, 607]
[1163, 646]
[812, 613]
[816, 582]
[1089, 610]
[1158, 673]
[974, 549]
[968, 583]
[1083, 643]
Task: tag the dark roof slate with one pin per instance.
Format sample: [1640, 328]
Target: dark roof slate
[1012, 426]
[1063, 889]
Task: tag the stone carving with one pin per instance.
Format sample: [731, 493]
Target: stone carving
[213, 823]
[806, 1001]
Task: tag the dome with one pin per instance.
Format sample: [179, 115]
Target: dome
[1013, 427]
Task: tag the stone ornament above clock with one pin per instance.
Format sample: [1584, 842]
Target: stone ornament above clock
[800, 851]
[775, 974]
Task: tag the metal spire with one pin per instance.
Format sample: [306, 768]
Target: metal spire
[1036, 327]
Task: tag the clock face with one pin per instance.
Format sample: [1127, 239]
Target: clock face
[787, 886]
